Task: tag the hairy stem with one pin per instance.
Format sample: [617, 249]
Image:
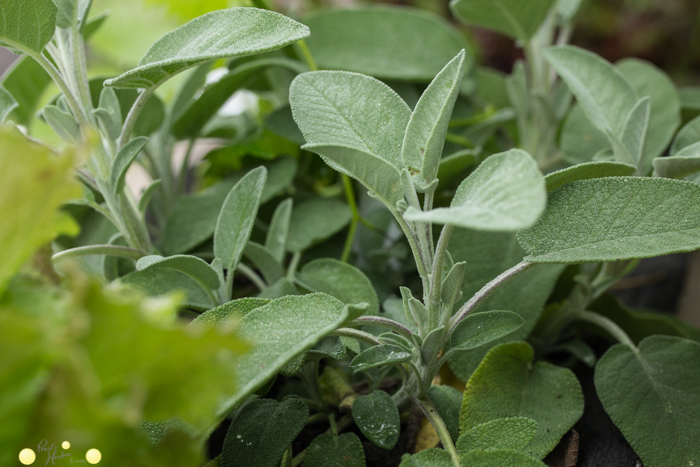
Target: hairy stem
[350, 196]
[133, 115]
[357, 334]
[608, 325]
[250, 274]
[432, 415]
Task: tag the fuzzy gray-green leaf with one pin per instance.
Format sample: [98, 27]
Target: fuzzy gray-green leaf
[653, 396]
[157, 282]
[195, 267]
[505, 193]
[635, 131]
[502, 433]
[220, 34]
[586, 171]
[448, 401]
[378, 355]
[616, 218]
[123, 160]
[688, 135]
[314, 221]
[425, 134]
[263, 260]
[478, 329]
[433, 457]
[684, 163]
[62, 123]
[377, 416]
[237, 216]
[327, 450]
[515, 18]
[276, 239]
[500, 458]
[27, 24]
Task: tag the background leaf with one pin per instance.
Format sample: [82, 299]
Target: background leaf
[28, 24]
[196, 268]
[316, 220]
[481, 328]
[327, 450]
[586, 171]
[377, 417]
[158, 282]
[514, 18]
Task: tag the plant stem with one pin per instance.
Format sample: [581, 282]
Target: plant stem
[432, 414]
[306, 53]
[608, 325]
[181, 177]
[293, 266]
[357, 334]
[108, 250]
[350, 196]
[62, 85]
[417, 252]
[485, 291]
[252, 275]
[133, 115]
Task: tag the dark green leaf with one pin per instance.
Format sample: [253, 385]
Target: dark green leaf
[481, 328]
[586, 171]
[653, 395]
[500, 458]
[157, 282]
[147, 195]
[377, 417]
[377, 356]
[327, 450]
[28, 25]
[281, 122]
[448, 402]
[26, 80]
[260, 433]
[502, 433]
[126, 155]
[262, 258]
[194, 267]
[316, 220]
[515, 18]
[7, 104]
[433, 457]
[235, 309]
[330, 347]
[616, 218]
[548, 394]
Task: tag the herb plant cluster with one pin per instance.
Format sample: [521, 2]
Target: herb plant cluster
[279, 304]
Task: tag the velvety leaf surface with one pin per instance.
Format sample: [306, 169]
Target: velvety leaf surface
[233, 309]
[263, 260]
[514, 18]
[500, 458]
[580, 139]
[653, 396]
[122, 161]
[481, 328]
[688, 135]
[327, 450]
[348, 109]
[684, 163]
[548, 394]
[586, 171]
[502, 433]
[433, 457]
[26, 80]
[276, 239]
[237, 216]
[27, 24]
[196, 268]
[616, 218]
[378, 355]
[261, 432]
[425, 134]
[377, 417]
[316, 220]
[157, 282]
[448, 402]
[340, 280]
[220, 34]
[505, 193]
[386, 42]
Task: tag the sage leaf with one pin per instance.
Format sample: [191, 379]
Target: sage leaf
[454, 166]
[432, 343]
[196, 268]
[279, 289]
[580, 139]
[147, 195]
[348, 109]
[684, 163]
[28, 25]
[499, 458]
[237, 216]
[548, 394]
[587, 171]
[688, 135]
[377, 175]
[378, 355]
[505, 193]
[316, 220]
[425, 135]
[433, 457]
[481, 328]
[502, 433]
[62, 123]
[109, 112]
[26, 81]
[340, 280]
[635, 130]
[652, 396]
[604, 94]
[382, 41]
[327, 450]
[7, 104]
[448, 401]
[235, 309]
[514, 18]
[220, 34]
[377, 417]
[262, 258]
[123, 160]
[157, 282]
[276, 239]
[452, 285]
[329, 347]
[615, 218]
[279, 332]
[261, 432]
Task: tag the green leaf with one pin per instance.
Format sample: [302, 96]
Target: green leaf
[587, 171]
[237, 216]
[604, 94]
[36, 185]
[7, 104]
[580, 139]
[220, 34]
[377, 417]
[66, 15]
[378, 355]
[340, 280]
[26, 80]
[687, 136]
[653, 395]
[152, 114]
[448, 402]
[377, 175]
[514, 18]
[147, 195]
[261, 432]
[281, 122]
[123, 160]
[111, 110]
[648, 80]
[158, 282]
[329, 347]
[279, 289]
[385, 42]
[327, 450]
[234, 309]
[548, 394]
[316, 220]
[616, 218]
[348, 109]
[481, 328]
[452, 285]
[499, 458]
[262, 258]
[194, 267]
[684, 163]
[425, 135]
[276, 239]
[431, 345]
[28, 25]
[634, 132]
[278, 332]
[502, 433]
[62, 123]
[505, 193]
[433, 457]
